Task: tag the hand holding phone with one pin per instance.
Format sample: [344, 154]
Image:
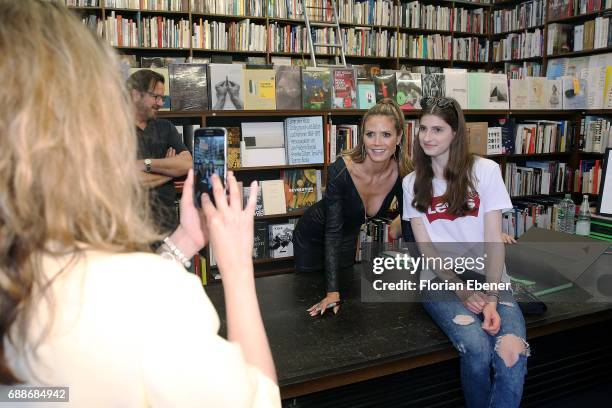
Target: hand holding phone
[209, 157]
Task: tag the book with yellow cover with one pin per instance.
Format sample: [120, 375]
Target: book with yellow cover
[260, 89]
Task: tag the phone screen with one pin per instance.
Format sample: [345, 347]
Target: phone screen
[209, 152]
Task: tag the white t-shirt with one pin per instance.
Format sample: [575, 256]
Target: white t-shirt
[135, 330]
[442, 227]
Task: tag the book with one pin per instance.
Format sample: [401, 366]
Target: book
[494, 140]
[366, 97]
[607, 102]
[385, 86]
[259, 208]
[537, 93]
[226, 86]
[554, 89]
[574, 93]
[409, 90]
[456, 85]
[433, 84]
[260, 240]
[281, 240]
[260, 89]
[188, 87]
[344, 89]
[498, 91]
[288, 87]
[304, 140]
[316, 89]
[519, 94]
[477, 134]
[300, 188]
[273, 192]
[263, 144]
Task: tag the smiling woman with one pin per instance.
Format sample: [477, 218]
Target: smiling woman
[361, 183]
[456, 197]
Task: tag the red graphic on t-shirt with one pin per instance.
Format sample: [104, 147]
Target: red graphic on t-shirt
[438, 210]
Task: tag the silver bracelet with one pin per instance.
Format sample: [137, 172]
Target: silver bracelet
[176, 253]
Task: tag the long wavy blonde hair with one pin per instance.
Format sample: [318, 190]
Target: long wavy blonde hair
[67, 153]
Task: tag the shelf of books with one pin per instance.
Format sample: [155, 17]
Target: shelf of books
[534, 78]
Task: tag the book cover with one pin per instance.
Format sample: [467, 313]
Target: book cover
[281, 240]
[344, 89]
[226, 85]
[288, 87]
[259, 208]
[553, 94]
[519, 94]
[607, 103]
[233, 157]
[260, 240]
[478, 90]
[273, 192]
[574, 93]
[188, 87]
[498, 91]
[316, 89]
[477, 133]
[456, 84]
[494, 140]
[385, 86]
[300, 188]
[304, 140]
[508, 126]
[556, 67]
[260, 89]
[409, 90]
[595, 77]
[433, 84]
[366, 94]
[537, 93]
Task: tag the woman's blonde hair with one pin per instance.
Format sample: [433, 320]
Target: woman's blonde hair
[385, 107]
[67, 153]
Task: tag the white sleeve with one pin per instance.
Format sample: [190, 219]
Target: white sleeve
[408, 190]
[491, 187]
[185, 363]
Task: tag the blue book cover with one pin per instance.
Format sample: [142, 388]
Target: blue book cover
[304, 140]
[366, 97]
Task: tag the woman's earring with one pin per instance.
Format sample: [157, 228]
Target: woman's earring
[363, 152]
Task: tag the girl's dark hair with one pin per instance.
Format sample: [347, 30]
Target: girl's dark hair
[458, 171]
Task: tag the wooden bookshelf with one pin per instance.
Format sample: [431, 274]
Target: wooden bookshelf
[283, 167]
[119, 10]
[517, 31]
[579, 17]
[221, 118]
[583, 53]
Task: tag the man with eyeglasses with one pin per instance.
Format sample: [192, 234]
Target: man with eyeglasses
[162, 155]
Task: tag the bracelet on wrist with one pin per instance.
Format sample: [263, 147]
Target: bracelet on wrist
[169, 248]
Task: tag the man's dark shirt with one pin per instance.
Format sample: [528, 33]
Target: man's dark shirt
[153, 143]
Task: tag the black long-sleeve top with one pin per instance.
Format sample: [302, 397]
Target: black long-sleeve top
[340, 214]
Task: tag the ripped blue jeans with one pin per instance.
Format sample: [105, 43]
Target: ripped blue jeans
[479, 351]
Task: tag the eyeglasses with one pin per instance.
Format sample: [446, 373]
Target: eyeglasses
[158, 98]
[440, 102]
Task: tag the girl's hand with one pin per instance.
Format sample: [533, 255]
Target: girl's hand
[492, 321]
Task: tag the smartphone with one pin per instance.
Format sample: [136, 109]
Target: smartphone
[209, 157]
